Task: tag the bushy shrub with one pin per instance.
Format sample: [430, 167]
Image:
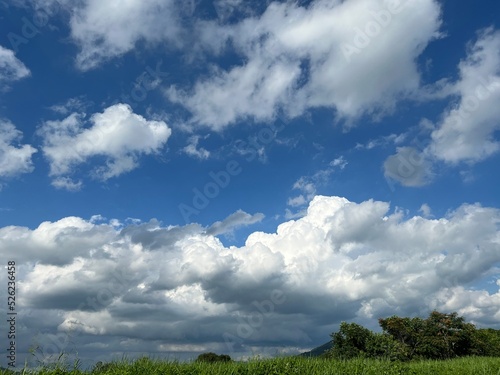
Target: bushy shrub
[212, 357]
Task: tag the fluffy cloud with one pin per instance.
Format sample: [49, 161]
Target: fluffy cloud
[467, 130]
[147, 287]
[11, 68]
[117, 134]
[104, 30]
[14, 160]
[49, 243]
[243, 92]
[357, 57]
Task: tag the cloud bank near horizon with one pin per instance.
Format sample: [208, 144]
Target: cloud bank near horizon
[165, 287]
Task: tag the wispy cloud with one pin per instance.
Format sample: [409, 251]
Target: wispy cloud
[235, 220]
[192, 148]
[11, 68]
[15, 159]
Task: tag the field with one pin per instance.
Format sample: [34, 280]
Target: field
[288, 365]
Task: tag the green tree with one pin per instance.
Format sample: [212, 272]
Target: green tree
[408, 332]
[384, 346]
[447, 336]
[350, 341]
[440, 336]
[486, 342]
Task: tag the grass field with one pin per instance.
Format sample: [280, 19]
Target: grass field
[289, 365]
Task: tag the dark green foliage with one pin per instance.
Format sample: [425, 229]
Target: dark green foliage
[408, 332]
[350, 341]
[212, 357]
[487, 342]
[440, 336]
[384, 346]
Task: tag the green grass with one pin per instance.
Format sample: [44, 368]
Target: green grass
[292, 365]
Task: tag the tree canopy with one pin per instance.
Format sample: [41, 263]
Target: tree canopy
[440, 336]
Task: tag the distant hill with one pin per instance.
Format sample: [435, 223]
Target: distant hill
[316, 352]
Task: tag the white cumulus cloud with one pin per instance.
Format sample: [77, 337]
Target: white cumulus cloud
[117, 134]
[150, 284]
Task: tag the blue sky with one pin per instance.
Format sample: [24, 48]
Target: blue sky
[344, 154]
